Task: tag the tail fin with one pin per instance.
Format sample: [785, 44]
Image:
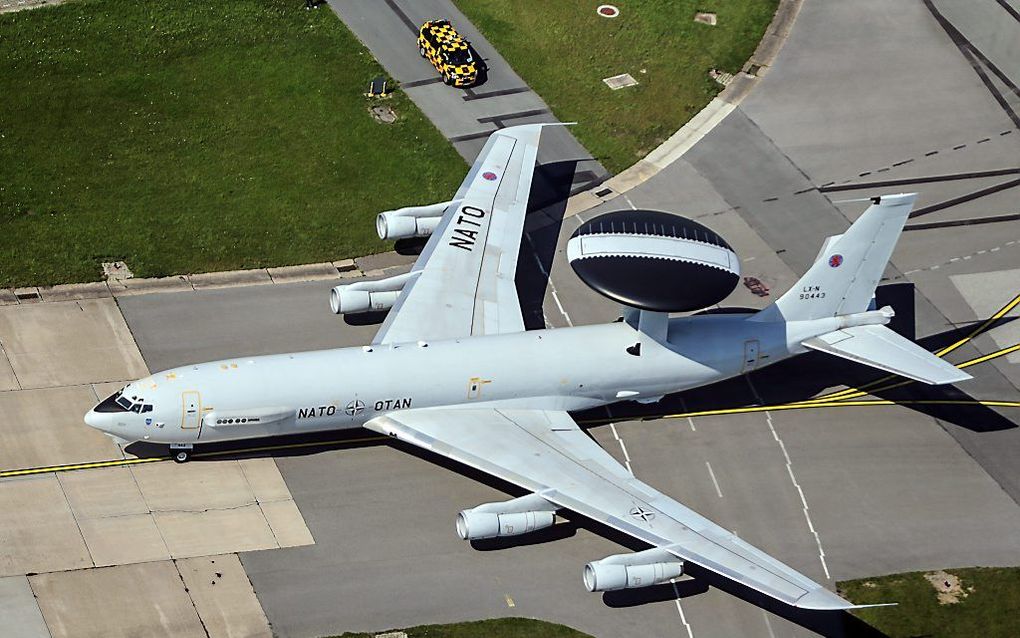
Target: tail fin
[843, 278]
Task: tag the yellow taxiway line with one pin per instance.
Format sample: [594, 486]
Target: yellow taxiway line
[850, 393]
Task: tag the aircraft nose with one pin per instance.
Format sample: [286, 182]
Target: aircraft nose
[98, 420]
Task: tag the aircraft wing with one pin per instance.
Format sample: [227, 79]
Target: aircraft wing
[547, 453]
[463, 282]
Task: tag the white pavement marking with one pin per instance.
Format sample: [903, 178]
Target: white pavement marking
[953, 260]
[714, 482]
[803, 500]
[626, 457]
[768, 624]
[690, 422]
[680, 610]
[552, 286]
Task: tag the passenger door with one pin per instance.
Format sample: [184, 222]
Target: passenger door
[191, 413]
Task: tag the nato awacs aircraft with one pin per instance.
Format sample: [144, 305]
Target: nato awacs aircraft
[453, 370]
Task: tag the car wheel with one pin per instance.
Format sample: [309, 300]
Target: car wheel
[447, 80]
[421, 51]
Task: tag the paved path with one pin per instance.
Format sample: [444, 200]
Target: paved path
[466, 117]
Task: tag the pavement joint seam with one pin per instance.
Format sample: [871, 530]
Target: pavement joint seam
[77, 525]
[187, 591]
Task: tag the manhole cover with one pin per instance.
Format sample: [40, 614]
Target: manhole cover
[607, 11]
[384, 114]
[620, 81]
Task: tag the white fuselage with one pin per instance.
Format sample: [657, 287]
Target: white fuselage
[560, 369]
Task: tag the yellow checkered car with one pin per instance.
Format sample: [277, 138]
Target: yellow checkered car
[440, 44]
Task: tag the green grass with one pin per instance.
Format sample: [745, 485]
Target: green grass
[563, 50]
[990, 609]
[194, 136]
[497, 628]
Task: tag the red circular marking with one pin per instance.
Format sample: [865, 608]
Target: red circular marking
[835, 261]
[489, 175]
[607, 11]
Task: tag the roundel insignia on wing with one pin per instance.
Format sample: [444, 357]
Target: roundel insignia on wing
[836, 261]
[654, 260]
[489, 175]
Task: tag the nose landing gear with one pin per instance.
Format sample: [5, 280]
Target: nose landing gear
[180, 452]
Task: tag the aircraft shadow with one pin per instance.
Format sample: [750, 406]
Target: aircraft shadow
[550, 189]
[808, 375]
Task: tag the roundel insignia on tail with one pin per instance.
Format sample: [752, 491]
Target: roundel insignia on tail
[489, 175]
[836, 261]
[654, 260]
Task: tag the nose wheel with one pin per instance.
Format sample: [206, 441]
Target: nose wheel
[180, 453]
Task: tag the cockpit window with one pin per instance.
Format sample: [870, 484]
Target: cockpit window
[117, 402]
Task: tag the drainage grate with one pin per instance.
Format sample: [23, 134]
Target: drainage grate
[603, 192]
[28, 295]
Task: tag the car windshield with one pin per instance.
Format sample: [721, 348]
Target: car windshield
[459, 56]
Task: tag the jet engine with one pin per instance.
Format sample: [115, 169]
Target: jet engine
[411, 221]
[629, 571]
[367, 296]
[509, 518]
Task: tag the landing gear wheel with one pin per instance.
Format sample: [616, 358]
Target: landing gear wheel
[182, 456]
[447, 80]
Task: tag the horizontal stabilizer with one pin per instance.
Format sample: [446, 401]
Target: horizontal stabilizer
[880, 347]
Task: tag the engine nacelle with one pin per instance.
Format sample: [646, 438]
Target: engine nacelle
[411, 221]
[509, 518]
[345, 301]
[472, 525]
[391, 226]
[629, 571]
[368, 296]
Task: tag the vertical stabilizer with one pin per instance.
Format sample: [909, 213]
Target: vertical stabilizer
[843, 278]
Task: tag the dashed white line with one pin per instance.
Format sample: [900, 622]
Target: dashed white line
[714, 482]
[626, 456]
[803, 500]
[690, 422]
[629, 203]
[953, 260]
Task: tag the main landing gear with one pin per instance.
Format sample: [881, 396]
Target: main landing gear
[181, 452]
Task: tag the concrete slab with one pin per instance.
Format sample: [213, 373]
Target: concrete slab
[984, 293]
[193, 487]
[202, 533]
[287, 524]
[19, 613]
[69, 292]
[123, 540]
[223, 597]
[45, 427]
[102, 492]
[69, 343]
[38, 529]
[264, 480]
[8, 380]
[147, 599]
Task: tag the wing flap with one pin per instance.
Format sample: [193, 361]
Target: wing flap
[545, 452]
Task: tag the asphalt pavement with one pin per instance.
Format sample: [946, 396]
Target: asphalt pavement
[865, 98]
